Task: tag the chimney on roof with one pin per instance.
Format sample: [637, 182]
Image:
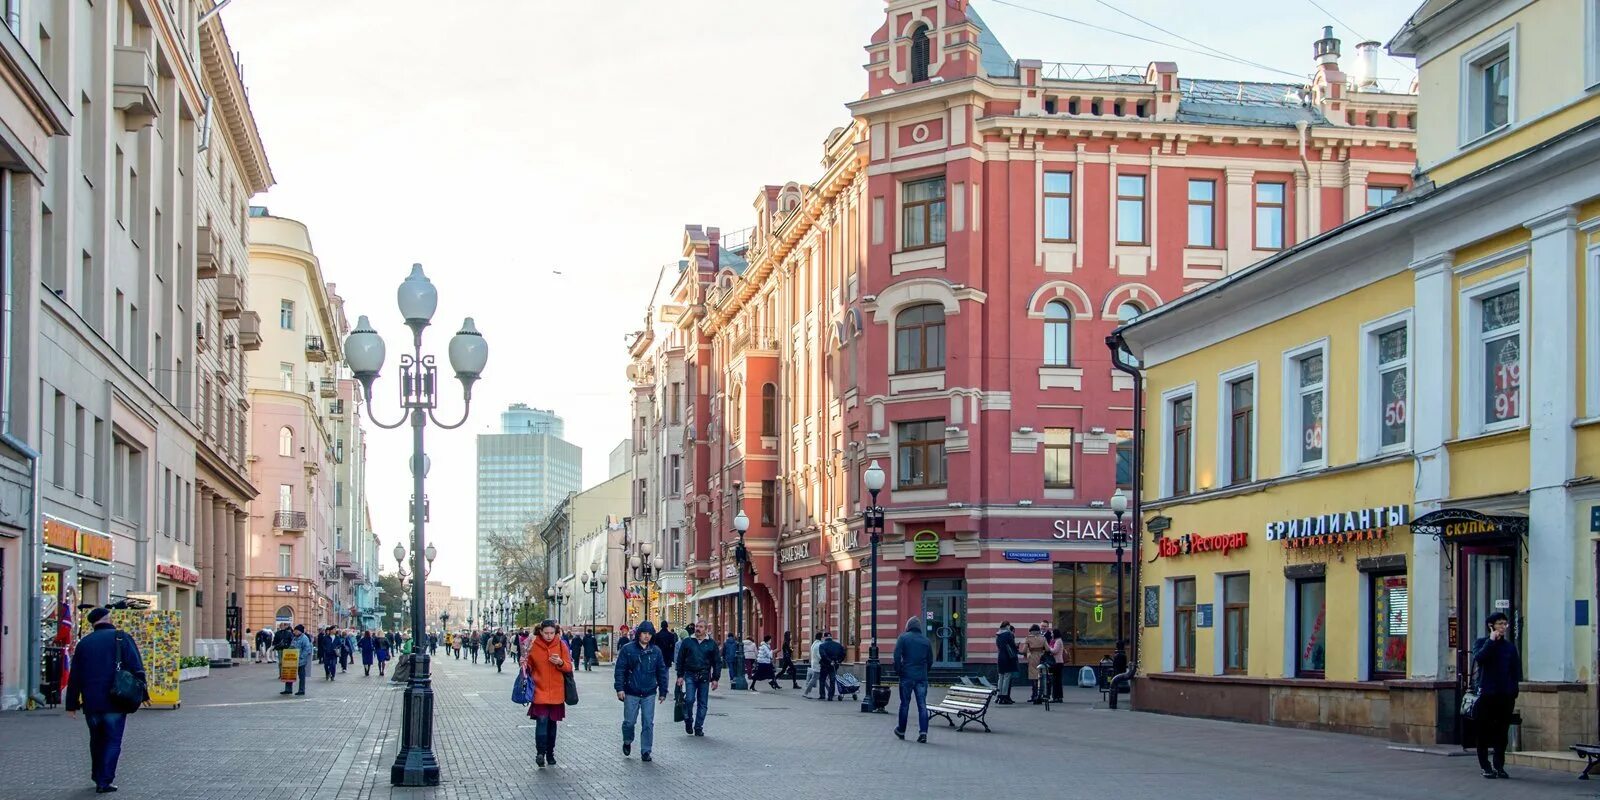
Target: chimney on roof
[1366, 77]
[1326, 49]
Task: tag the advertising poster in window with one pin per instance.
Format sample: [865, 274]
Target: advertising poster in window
[159, 635]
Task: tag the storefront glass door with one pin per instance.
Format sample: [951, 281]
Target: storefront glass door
[944, 617]
[1491, 588]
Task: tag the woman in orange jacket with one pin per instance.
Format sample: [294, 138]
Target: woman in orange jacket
[547, 663]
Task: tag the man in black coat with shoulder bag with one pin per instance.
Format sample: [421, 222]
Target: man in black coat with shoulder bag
[1005, 644]
[92, 687]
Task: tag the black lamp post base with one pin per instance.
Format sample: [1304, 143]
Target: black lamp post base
[415, 765]
[738, 682]
[869, 698]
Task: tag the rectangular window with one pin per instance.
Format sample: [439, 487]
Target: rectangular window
[285, 560]
[1058, 458]
[675, 403]
[1393, 357]
[1235, 624]
[1306, 411]
[769, 502]
[1058, 206]
[286, 373]
[1181, 412]
[1490, 86]
[1500, 339]
[1269, 216]
[674, 548]
[1183, 609]
[286, 314]
[922, 213]
[1202, 213]
[676, 471]
[1380, 196]
[1130, 209]
[1124, 459]
[1310, 628]
[1241, 430]
[920, 457]
[1389, 625]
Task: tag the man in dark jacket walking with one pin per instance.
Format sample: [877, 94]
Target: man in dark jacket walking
[698, 664]
[1499, 673]
[94, 671]
[667, 641]
[641, 671]
[591, 650]
[832, 656]
[1005, 644]
[913, 656]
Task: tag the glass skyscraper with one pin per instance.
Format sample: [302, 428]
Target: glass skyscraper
[523, 472]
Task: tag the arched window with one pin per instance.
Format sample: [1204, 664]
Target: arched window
[1057, 334]
[1127, 311]
[285, 614]
[286, 441]
[919, 338]
[921, 56]
[735, 410]
[769, 410]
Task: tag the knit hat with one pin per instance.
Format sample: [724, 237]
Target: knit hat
[97, 614]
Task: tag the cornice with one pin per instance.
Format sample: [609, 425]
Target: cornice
[232, 99]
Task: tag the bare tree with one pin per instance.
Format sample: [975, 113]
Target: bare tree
[519, 561]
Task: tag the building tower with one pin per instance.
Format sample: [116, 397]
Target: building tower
[523, 472]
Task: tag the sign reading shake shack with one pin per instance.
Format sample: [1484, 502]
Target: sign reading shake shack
[1339, 527]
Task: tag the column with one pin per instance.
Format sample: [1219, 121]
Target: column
[241, 552]
[203, 563]
[219, 573]
[1432, 592]
[1552, 386]
[1238, 194]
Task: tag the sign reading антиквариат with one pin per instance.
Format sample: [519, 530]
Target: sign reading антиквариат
[1339, 527]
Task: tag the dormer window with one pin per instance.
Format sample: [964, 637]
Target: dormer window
[921, 55]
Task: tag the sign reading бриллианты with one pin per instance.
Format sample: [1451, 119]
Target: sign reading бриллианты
[1339, 527]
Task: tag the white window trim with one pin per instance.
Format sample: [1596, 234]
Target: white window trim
[1291, 407]
[1469, 68]
[1167, 399]
[1225, 476]
[1591, 43]
[1470, 387]
[1591, 391]
[1369, 433]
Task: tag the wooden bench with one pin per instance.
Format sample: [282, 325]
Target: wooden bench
[1591, 752]
[966, 703]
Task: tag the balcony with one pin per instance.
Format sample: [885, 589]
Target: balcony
[346, 565]
[208, 253]
[330, 387]
[250, 331]
[315, 351]
[230, 296]
[289, 520]
[134, 87]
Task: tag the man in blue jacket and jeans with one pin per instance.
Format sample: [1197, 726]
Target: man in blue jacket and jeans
[641, 671]
[94, 670]
[913, 656]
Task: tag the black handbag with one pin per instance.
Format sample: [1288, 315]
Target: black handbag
[678, 711]
[571, 685]
[128, 691]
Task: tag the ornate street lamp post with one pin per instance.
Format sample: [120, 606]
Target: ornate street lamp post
[872, 520]
[645, 570]
[741, 523]
[594, 581]
[1119, 540]
[415, 765]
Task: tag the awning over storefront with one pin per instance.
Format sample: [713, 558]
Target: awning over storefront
[715, 591]
[1463, 526]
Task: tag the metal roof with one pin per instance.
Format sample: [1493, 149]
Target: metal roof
[727, 259]
[993, 55]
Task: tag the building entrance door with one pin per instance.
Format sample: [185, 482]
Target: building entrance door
[1487, 584]
[944, 619]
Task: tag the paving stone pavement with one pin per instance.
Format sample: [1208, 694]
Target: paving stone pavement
[234, 738]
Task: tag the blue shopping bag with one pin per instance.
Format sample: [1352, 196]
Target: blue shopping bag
[522, 689]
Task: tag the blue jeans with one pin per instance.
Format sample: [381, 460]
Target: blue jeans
[920, 689]
[105, 745]
[696, 694]
[633, 707]
[544, 734]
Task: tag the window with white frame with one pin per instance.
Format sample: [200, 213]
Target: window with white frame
[1236, 438]
[1058, 206]
[1386, 386]
[1499, 367]
[1179, 440]
[1269, 216]
[1489, 86]
[1306, 411]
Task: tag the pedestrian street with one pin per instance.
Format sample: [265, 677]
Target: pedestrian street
[234, 737]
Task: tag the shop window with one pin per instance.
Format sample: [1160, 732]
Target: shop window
[1124, 459]
[1058, 206]
[921, 54]
[1269, 216]
[1239, 441]
[850, 626]
[1310, 628]
[1236, 624]
[1130, 209]
[1202, 213]
[769, 410]
[1084, 609]
[1057, 334]
[819, 603]
[922, 213]
[1058, 458]
[1380, 196]
[1389, 625]
[1305, 413]
[919, 338]
[1500, 363]
[1180, 449]
[1183, 610]
[919, 455]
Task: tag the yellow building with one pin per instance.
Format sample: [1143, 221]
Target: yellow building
[1357, 450]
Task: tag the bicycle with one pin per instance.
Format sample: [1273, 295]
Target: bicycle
[1043, 685]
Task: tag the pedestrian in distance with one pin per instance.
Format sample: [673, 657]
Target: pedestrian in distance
[1005, 645]
[732, 658]
[640, 676]
[786, 666]
[380, 651]
[913, 657]
[302, 647]
[346, 650]
[1033, 649]
[1058, 661]
[764, 666]
[497, 644]
[750, 661]
[472, 646]
[95, 663]
[666, 641]
[591, 650]
[483, 640]
[832, 657]
[1498, 673]
[697, 664]
[368, 646]
[328, 653]
[282, 639]
[547, 664]
[263, 645]
[814, 674]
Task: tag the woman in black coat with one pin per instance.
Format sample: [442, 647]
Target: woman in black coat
[1499, 672]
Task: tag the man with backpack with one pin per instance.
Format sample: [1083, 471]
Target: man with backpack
[832, 656]
[91, 686]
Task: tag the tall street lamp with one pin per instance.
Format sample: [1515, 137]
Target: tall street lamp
[594, 581]
[1119, 540]
[645, 570]
[872, 520]
[415, 765]
[741, 523]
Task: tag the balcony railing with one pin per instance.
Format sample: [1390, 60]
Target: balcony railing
[315, 351]
[336, 408]
[330, 387]
[289, 520]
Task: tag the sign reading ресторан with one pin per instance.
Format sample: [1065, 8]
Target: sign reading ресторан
[1339, 527]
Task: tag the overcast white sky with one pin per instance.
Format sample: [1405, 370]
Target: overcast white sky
[499, 142]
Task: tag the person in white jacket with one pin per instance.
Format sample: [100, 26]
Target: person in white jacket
[814, 674]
